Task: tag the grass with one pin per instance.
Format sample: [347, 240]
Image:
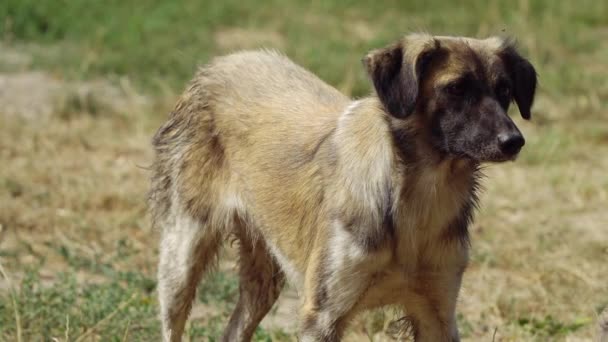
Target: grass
[165, 43]
[74, 236]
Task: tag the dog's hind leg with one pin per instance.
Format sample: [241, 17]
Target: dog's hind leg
[261, 282]
[188, 248]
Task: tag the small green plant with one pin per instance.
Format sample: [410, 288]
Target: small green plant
[219, 287]
[550, 326]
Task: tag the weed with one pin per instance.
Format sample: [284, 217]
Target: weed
[549, 326]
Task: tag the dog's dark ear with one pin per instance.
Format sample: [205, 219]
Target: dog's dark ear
[523, 78]
[396, 70]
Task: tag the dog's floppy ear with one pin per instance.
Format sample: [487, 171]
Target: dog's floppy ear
[523, 79]
[396, 71]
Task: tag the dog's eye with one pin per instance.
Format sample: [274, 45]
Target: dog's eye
[456, 88]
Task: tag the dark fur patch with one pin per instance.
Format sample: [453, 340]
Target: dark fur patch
[369, 237]
[523, 78]
[310, 327]
[216, 148]
[369, 240]
[405, 141]
[388, 222]
[396, 79]
[394, 84]
[321, 295]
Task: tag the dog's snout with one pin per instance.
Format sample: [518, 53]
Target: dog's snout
[510, 143]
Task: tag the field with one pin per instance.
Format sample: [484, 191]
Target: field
[84, 85]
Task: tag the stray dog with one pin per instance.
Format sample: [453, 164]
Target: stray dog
[358, 204]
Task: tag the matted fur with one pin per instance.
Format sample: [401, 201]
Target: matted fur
[357, 203]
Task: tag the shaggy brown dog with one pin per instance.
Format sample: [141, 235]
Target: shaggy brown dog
[358, 204]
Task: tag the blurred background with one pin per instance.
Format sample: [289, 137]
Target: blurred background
[84, 85]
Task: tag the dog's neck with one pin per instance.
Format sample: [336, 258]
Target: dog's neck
[411, 139]
[426, 188]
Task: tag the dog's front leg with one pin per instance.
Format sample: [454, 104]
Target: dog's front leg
[338, 276]
[432, 306]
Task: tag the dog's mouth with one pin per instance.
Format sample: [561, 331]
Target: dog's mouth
[501, 158]
[496, 157]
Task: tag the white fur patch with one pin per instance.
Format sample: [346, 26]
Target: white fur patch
[363, 137]
[346, 258]
[344, 252]
[178, 237]
[231, 203]
[350, 109]
[307, 338]
[294, 277]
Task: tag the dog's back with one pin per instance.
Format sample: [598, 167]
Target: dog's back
[235, 112]
[242, 139]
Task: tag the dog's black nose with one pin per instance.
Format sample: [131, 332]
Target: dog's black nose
[510, 143]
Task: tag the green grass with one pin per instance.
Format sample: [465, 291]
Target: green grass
[158, 42]
[67, 309]
[73, 228]
[123, 308]
[549, 326]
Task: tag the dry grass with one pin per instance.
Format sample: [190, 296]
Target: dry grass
[73, 183]
[539, 243]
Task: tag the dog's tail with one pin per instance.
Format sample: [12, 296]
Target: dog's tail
[188, 201]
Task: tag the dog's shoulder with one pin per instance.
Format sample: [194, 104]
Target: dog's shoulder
[364, 158]
[362, 138]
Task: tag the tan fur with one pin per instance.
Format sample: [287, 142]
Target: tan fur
[305, 178]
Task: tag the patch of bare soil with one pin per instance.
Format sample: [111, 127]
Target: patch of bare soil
[36, 95]
[12, 58]
[30, 95]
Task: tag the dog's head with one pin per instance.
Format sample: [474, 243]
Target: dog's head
[460, 89]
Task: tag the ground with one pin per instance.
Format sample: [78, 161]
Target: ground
[83, 88]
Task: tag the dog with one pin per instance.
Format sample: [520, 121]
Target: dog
[358, 204]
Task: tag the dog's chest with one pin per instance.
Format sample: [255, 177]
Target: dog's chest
[426, 219]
